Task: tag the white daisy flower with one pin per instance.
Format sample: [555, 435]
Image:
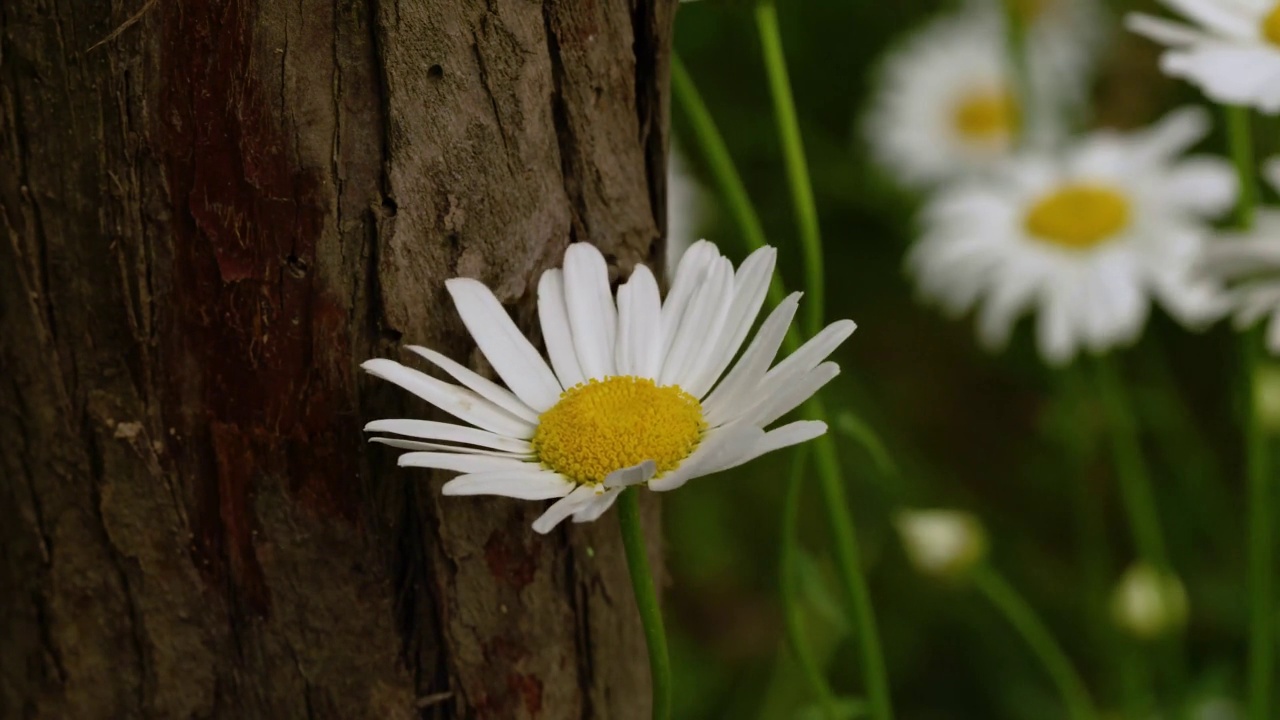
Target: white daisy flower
[1232, 52]
[945, 106]
[1251, 260]
[1085, 238]
[635, 393]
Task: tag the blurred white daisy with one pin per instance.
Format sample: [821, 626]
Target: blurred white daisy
[1232, 52]
[1251, 261]
[1084, 239]
[945, 107]
[634, 392]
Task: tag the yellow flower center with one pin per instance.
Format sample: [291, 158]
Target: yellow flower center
[604, 425]
[1078, 216]
[985, 115]
[1271, 25]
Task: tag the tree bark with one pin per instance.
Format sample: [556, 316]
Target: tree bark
[210, 212]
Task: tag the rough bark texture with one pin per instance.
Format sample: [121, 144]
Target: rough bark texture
[210, 212]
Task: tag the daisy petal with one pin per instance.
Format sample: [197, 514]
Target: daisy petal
[519, 484]
[555, 329]
[689, 277]
[1217, 16]
[1172, 134]
[510, 353]
[597, 506]
[1053, 330]
[419, 445]
[1163, 31]
[786, 436]
[574, 502]
[750, 285]
[730, 396]
[785, 397]
[800, 362]
[700, 326]
[458, 462]
[592, 315]
[486, 388]
[1241, 257]
[1204, 185]
[719, 447]
[459, 402]
[646, 332]
[429, 430]
[634, 475]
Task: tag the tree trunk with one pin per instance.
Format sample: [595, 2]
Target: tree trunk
[210, 212]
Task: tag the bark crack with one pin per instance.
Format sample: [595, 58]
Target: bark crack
[565, 139]
[488, 91]
[648, 90]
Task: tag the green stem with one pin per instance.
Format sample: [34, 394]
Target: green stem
[729, 183]
[845, 539]
[1016, 51]
[723, 172]
[1261, 595]
[1261, 601]
[789, 554]
[1240, 138]
[830, 480]
[1131, 468]
[1033, 631]
[806, 207]
[646, 601]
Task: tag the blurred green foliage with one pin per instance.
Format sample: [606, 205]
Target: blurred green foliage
[1021, 446]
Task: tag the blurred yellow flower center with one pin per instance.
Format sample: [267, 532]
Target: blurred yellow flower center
[985, 115]
[1078, 216]
[604, 425]
[1271, 25]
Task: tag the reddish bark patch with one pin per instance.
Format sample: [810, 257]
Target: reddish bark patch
[266, 385]
[520, 689]
[529, 688]
[510, 560]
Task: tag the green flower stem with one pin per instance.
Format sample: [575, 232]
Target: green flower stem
[806, 207]
[1131, 468]
[655, 635]
[1016, 50]
[1033, 631]
[733, 191]
[857, 594]
[723, 171]
[830, 480]
[793, 616]
[1240, 138]
[1257, 460]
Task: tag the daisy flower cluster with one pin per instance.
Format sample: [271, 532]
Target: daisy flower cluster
[1028, 212]
[1085, 232]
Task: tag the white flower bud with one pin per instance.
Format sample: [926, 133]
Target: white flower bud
[1147, 603]
[942, 543]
